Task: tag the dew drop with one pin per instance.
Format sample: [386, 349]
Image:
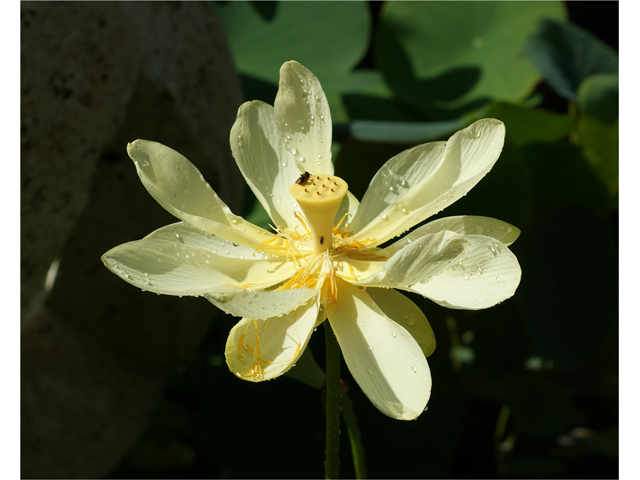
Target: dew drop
[466, 276]
[509, 229]
[383, 216]
[415, 369]
[412, 322]
[479, 229]
[497, 279]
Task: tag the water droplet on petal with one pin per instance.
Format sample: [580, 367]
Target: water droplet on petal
[415, 369]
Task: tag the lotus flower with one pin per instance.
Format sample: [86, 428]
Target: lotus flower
[327, 256]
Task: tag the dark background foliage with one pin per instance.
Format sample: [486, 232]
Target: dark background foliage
[527, 389]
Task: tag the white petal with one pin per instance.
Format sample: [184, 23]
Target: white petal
[180, 188]
[273, 146]
[348, 207]
[504, 232]
[418, 261]
[406, 313]
[180, 259]
[259, 305]
[421, 181]
[391, 370]
[302, 113]
[258, 148]
[486, 274]
[260, 350]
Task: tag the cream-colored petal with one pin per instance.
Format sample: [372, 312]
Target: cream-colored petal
[347, 209]
[304, 120]
[485, 275]
[180, 259]
[403, 311]
[260, 350]
[382, 356]
[504, 232]
[273, 146]
[422, 181]
[258, 148]
[259, 305]
[180, 188]
[419, 261]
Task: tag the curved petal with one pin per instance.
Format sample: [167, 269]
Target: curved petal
[304, 119]
[260, 305]
[260, 350]
[382, 356]
[347, 209]
[180, 259]
[504, 232]
[406, 313]
[180, 188]
[419, 261]
[274, 145]
[486, 274]
[258, 148]
[420, 182]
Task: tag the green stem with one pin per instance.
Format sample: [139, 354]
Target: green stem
[332, 465]
[355, 437]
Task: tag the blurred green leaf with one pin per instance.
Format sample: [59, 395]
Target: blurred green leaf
[599, 142]
[366, 95]
[263, 37]
[538, 405]
[566, 55]
[403, 133]
[598, 97]
[258, 215]
[447, 58]
[525, 125]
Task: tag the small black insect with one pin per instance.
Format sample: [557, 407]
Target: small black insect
[303, 179]
[321, 240]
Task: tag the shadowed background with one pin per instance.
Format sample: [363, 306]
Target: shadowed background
[121, 383]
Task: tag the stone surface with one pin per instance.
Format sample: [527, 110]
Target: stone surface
[95, 351]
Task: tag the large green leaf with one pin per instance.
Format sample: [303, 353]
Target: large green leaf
[451, 57]
[597, 131]
[525, 125]
[599, 142]
[329, 38]
[598, 97]
[366, 95]
[566, 55]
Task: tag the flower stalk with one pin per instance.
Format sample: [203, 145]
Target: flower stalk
[332, 463]
[355, 437]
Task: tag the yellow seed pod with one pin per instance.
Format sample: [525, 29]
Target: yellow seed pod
[319, 197]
